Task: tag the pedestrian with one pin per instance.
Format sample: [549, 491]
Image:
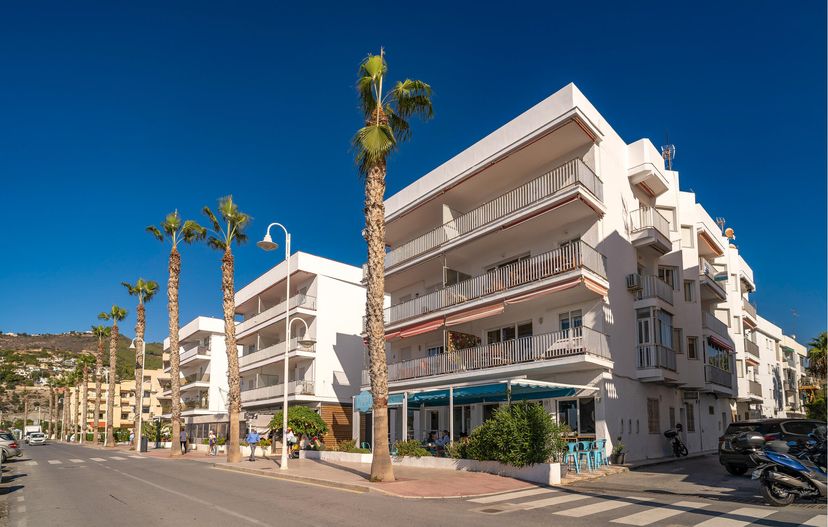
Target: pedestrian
[131, 437]
[183, 438]
[212, 443]
[290, 438]
[252, 440]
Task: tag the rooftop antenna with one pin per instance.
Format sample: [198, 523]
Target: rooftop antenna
[668, 152]
[721, 222]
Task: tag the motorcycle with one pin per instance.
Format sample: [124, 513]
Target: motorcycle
[679, 448]
[786, 471]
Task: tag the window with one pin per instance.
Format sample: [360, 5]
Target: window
[718, 357]
[668, 274]
[664, 320]
[687, 236]
[672, 414]
[734, 283]
[691, 417]
[644, 321]
[434, 351]
[568, 413]
[692, 347]
[677, 340]
[670, 214]
[570, 319]
[520, 330]
[587, 414]
[740, 365]
[737, 326]
[689, 287]
[652, 416]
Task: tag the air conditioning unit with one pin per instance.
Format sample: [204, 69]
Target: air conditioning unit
[691, 396]
[634, 282]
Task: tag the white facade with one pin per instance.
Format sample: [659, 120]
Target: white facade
[553, 251]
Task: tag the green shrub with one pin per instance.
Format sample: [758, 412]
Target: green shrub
[264, 441]
[457, 450]
[221, 441]
[412, 448]
[303, 420]
[346, 445]
[121, 435]
[519, 434]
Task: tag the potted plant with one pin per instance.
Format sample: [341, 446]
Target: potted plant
[618, 454]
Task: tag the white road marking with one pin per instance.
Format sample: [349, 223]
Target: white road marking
[30, 463]
[659, 513]
[55, 462]
[136, 457]
[511, 495]
[21, 508]
[816, 521]
[601, 506]
[76, 460]
[98, 459]
[546, 502]
[21, 498]
[730, 519]
[116, 458]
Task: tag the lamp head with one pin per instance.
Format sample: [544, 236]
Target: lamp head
[267, 243]
[307, 342]
[132, 344]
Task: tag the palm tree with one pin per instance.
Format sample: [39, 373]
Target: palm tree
[386, 125]
[175, 231]
[76, 378]
[51, 408]
[223, 235]
[816, 355]
[144, 290]
[101, 332]
[116, 314]
[85, 362]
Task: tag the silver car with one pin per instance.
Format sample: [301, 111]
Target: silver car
[9, 446]
[37, 438]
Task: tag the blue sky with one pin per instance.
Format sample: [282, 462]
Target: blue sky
[115, 113]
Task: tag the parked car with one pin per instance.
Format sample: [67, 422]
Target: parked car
[9, 447]
[738, 462]
[37, 438]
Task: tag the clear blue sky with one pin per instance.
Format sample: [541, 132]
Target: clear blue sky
[112, 115]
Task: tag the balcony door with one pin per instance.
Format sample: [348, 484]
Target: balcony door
[570, 320]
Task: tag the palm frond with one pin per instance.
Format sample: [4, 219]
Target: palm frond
[192, 232]
[117, 313]
[399, 126]
[216, 243]
[152, 229]
[213, 220]
[103, 315]
[150, 289]
[373, 143]
[412, 97]
[171, 224]
[371, 71]
[132, 289]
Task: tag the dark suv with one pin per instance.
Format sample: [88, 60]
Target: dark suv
[737, 462]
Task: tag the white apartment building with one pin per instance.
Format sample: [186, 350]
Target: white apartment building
[795, 363]
[552, 261]
[203, 374]
[328, 299]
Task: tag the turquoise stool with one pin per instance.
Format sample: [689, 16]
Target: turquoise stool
[585, 450]
[365, 444]
[599, 456]
[572, 454]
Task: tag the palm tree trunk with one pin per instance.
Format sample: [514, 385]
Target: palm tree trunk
[140, 321]
[96, 440]
[234, 402]
[84, 403]
[110, 397]
[381, 469]
[75, 417]
[175, 357]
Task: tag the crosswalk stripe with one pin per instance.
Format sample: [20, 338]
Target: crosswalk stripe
[601, 506]
[31, 463]
[511, 495]
[816, 521]
[98, 459]
[730, 519]
[659, 513]
[55, 462]
[76, 460]
[547, 502]
[116, 458]
[137, 457]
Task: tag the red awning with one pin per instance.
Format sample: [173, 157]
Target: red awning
[475, 314]
[545, 291]
[419, 329]
[595, 287]
[720, 343]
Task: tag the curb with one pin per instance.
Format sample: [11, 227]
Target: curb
[299, 479]
[649, 463]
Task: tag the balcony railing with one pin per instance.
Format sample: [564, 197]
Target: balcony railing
[191, 379]
[654, 287]
[649, 218]
[549, 346]
[754, 388]
[193, 351]
[277, 390]
[656, 356]
[273, 351]
[718, 376]
[751, 348]
[576, 255]
[572, 173]
[712, 323]
[749, 308]
[789, 385]
[303, 301]
[194, 405]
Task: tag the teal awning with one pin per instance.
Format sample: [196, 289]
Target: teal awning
[365, 401]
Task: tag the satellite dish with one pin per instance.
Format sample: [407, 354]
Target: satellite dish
[729, 234]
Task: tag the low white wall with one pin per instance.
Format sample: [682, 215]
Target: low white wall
[542, 473]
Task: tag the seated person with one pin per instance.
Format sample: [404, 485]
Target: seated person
[444, 439]
[432, 439]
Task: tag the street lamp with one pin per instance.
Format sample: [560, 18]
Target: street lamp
[139, 402]
[106, 408]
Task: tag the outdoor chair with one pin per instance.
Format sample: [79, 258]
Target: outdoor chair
[571, 457]
[599, 456]
[585, 450]
[365, 444]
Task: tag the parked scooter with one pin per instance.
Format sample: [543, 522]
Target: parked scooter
[679, 448]
[786, 471]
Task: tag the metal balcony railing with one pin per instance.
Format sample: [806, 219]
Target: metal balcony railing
[751, 348]
[654, 287]
[192, 379]
[303, 301]
[188, 353]
[754, 388]
[548, 346]
[570, 257]
[649, 218]
[574, 172]
[194, 405]
[656, 356]
[712, 323]
[277, 390]
[718, 376]
[273, 351]
[749, 309]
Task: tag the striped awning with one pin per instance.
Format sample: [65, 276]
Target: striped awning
[475, 314]
[419, 329]
[721, 343]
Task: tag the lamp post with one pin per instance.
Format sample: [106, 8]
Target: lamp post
[106, 409]
[139, 393]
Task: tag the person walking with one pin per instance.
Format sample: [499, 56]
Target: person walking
[183, 438]
[252, 440]
[212, 442]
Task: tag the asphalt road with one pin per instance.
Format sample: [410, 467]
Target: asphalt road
[67, 485]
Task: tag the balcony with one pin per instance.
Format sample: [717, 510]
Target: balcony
[752, 349]
[715, 375]
[571, 182]
[710, 276]
[276, 391]
[572, 257]
[646, 167]
[656, 363]
[648, 228]
[539, 350]
[194, 353]
[646, 287]
[296, 301]
[194, 405]
[789, 385]
[710, 322]
[755, 388]
[749, 311]
[275, 353]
